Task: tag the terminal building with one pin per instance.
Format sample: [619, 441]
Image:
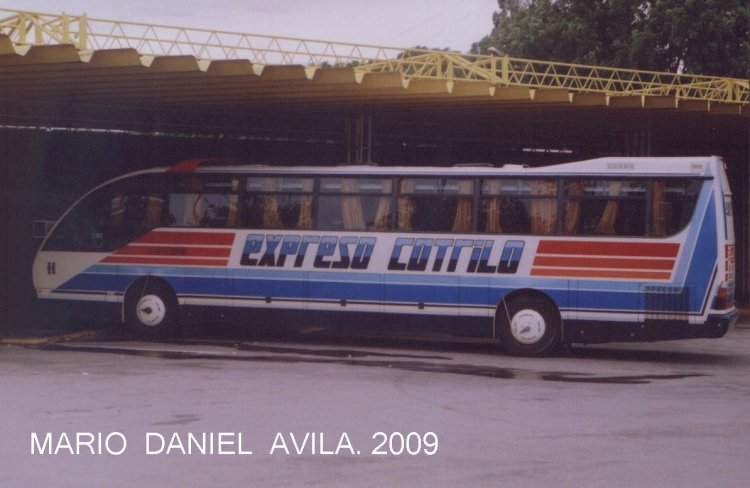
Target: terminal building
[83, 100]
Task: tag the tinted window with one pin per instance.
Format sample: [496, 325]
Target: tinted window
[519, 206]
[605, 207]
[278, 203]
[355, 203]
[436, 204]
[673, 203]
[111, 217]
[203, 201]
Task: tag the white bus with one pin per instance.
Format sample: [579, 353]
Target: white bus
[611, 249]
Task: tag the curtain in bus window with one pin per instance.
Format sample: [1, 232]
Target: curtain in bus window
[464, 207]
[492, 206]
[406, 205]
[305, 219]
[574, 191]
[271, 216]
[382, 214]
[232, 210]
[351, 207]
[658, 213]
[606, 224]
[543, 210]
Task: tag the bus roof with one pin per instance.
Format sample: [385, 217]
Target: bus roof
[610, 166]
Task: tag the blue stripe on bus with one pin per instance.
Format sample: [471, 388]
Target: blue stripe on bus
[291, 285]
[701, 212]
[700, 269]
[99, 282]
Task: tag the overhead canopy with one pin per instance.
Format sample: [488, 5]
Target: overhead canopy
[123, 89]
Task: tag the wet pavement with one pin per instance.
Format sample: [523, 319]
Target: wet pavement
[319, 409]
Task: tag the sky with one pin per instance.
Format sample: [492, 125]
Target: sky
[439, 24]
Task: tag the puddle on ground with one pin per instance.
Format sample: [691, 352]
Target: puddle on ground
[354, 358]
[334, 353]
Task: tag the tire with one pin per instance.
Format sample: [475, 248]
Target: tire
[528, 325]
[151, 309]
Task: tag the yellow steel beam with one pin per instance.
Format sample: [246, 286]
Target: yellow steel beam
[612, 82]
[89, 34]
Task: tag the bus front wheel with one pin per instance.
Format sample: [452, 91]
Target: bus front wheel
[528, 325]
[151, 309]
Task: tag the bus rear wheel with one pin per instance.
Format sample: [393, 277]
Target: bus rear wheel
[528, 325]
[151, 309]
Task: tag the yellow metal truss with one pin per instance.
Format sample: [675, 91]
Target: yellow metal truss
[90, 34]
[507, 71]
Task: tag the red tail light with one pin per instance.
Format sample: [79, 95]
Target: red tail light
[725, 296]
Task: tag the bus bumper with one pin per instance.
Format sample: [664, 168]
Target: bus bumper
[718, 325]
[590, 332]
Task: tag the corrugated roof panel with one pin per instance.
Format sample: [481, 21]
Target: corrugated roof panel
[6, 45]
[61, 53]
[175, 64]
[115, 58]
[231, 67]
[589, 99]
[513, 93]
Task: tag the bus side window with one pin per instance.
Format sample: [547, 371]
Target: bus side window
[673, 203]
[605, 207]
[436, 205]
[110, 217]
[339, 204]
[210, 203]
[278, 203]
[518, 206]
[132, 214]
[354, 203]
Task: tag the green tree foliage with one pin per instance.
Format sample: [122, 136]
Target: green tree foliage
[691, 36]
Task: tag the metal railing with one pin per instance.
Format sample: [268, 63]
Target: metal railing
[90, 34]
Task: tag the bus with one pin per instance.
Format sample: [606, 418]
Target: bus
[602, 250]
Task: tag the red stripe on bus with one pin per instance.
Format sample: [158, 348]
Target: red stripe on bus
[179, 237]
[165, 261]
[599, 273]
[188, 166]
[214, 252]
[608, 248]
[611, 263]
